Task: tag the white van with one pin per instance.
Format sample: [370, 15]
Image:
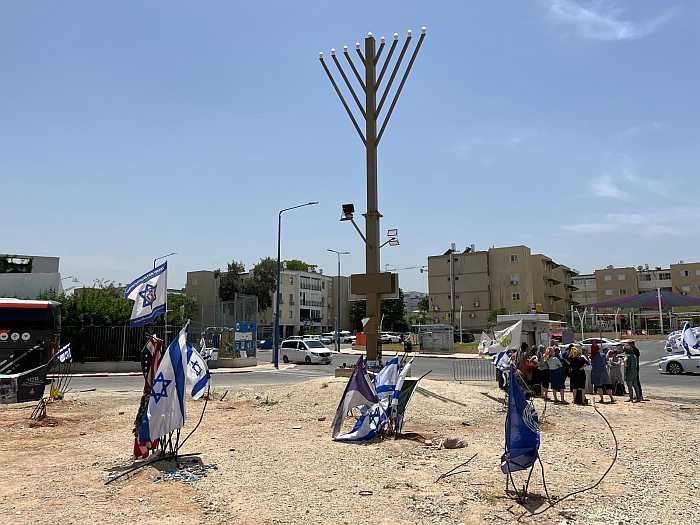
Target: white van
[305, 351]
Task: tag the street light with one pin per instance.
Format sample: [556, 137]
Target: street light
[337, 293]
[162, 257]
[276, 353]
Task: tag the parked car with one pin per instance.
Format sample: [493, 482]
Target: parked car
[603, 343]
[305, 351]
[680, 363]
[265, 344]
[389, 337]
[327, 339]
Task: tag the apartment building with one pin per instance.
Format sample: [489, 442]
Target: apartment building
[613, 282]
[685, 278]
[469, 285]
[308, 302]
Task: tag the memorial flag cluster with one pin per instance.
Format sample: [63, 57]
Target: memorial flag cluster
[379, 403]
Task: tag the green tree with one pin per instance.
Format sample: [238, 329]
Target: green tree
[231, 282]
[393, 311]
[104, 305]
[180, 309]
[261, 282]
[424, 304]
[299, 266]
[493, 315]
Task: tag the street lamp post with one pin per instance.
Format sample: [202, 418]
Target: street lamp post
[337, 294]
[276, 352]
[162, 257]
[374, 103]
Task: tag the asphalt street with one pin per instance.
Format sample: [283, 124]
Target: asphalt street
[440, 369]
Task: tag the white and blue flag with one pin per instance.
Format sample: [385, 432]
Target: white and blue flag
[368, 426]
[359, 392]
[166, 406]
[64, 355]
[400, 381]
[197, 372]
[689, 340]
[150, 294]
[385, 380]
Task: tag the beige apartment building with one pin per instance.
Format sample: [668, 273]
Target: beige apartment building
[612, 282]
[470, 284]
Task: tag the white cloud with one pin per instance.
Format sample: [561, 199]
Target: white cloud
[604, 186]
[604, 24]
[660, 223]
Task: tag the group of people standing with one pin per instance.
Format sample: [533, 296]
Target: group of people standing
[542, 369]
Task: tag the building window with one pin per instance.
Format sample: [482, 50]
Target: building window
[516, 296]
[472, 315]
[623, 291]
[608, 292]
[685, 273]
[620, 276]
[645, 277]
[476, 304]
[608, 277]
[291, 298]
[515, 279]
[513, 258]
[665, 276]
[291, 280]
[456, 277]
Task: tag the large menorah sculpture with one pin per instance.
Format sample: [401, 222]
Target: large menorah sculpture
[373, 284]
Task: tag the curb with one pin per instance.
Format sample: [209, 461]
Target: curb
[213, 371]
[415, 354]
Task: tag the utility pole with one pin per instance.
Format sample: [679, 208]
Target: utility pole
[337, 295]
[373, 283]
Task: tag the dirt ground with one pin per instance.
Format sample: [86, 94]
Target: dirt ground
[276, 462]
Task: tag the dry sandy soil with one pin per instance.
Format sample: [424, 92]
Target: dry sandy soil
[277, 464]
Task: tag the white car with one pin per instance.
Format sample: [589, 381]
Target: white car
[388, 337]
[305, 351]
[679, 363]
[603, 343]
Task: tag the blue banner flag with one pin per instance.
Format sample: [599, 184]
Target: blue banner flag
[522, 430]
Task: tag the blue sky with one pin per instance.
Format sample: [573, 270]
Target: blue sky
[130, 130]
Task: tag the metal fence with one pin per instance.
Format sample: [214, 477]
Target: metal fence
[243, 308]
[473, 370]
[113, 343]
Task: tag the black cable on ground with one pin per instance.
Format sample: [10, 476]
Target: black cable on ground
[201, 416]
[452, 471]
[570, 494]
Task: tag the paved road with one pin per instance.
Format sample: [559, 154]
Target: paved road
[442, 369]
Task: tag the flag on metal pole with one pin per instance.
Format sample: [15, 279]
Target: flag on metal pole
[166, 406]
[150, 294]
[689, 340]
[522, 435]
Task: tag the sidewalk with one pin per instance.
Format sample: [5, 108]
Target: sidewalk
[392, 353]
[213, 371]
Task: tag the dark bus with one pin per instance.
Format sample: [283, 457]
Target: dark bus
[29, 334]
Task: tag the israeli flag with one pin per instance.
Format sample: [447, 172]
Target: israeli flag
[150, 294]
[522, 430]
[197, 372]
[399, 383]
[64, 355]
[689, 340]
[166, 406]
[385, 380]
[358, 392]
[367, 426]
